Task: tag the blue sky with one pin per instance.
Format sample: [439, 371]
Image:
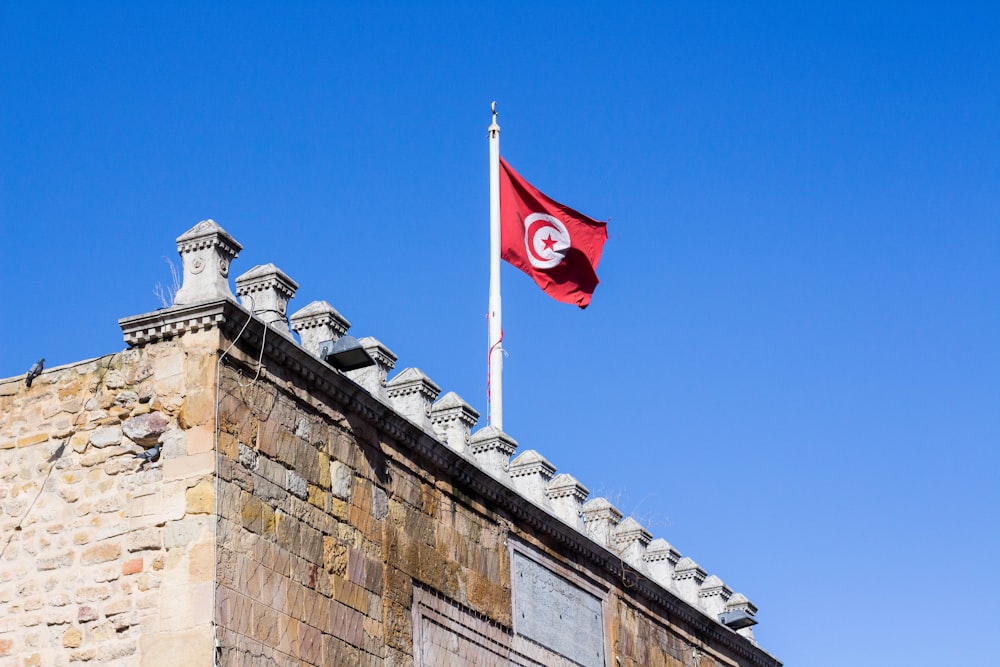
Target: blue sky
[791, 368]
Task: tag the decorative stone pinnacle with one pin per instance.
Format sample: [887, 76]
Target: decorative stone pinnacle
[453, 419]
[265, 291]
[530, 462]
[492, 448]
[659, 550]
[629, 531]
[411, 394]
[740, 601]
[318, 322]
[566, 495]
[600, 517]
[565, 485]
[687, 579]
[688, 569]
[713, 595]
[206, 252]
[531, 473]
[631, 540]
[713, 586]
[373, 378]
[661, 558]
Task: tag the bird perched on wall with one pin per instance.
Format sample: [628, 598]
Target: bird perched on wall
[149, 455]
[34, 371]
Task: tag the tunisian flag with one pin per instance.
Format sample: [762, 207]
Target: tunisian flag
[555, 245]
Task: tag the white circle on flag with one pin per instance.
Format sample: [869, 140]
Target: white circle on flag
[546, 239]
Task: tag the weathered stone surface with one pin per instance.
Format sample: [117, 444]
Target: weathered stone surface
[72, 637]
[341, 480]
[104, 437]
[101, 553]
[201, 498]
[145, 429]
[206, 251]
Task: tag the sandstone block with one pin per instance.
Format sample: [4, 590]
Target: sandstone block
[29, 440]
[101, 553]
[200, 439]
[72, 637]
[133, 566]
[200, 499]
[126, 399]
[201, 562]
[198, 408]
[106, 436]
[189, 466]
[146, 538]
[113, 651]
[86, 614]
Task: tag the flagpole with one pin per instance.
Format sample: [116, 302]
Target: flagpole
[495, 382]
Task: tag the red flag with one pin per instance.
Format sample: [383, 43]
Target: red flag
[555, 245]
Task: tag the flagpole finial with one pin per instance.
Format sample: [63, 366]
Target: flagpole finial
[494, 128]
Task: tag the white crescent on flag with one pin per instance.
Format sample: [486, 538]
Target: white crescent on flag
[546, 239]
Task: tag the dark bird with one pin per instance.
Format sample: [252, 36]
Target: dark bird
[34, 371]
[149, 455]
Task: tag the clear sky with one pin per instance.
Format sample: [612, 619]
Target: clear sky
[791, 367]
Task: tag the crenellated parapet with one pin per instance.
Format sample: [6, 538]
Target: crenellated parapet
[412, 394]
[600, 518]
[206, 252]
[453, 419]
[714, 595]
[492, 449]
[265, 291]
[661, 559]
[318, 322]
[688, 577]
[373, 378]
[531, 473]
[631, 541]
[566, 496]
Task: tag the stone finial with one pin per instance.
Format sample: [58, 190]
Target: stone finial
[318, 322]
[713, 596]
[531, 474]
[373, 378]
[206, 251]
[688, 578]
[453, 420]
[631, 540]
[492, 448]
[661, 558]
[566, 495]
[739, 602]
[600, 518]
[411, 393]
[265, 291]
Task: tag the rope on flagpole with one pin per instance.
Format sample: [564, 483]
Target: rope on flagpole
[489, 373]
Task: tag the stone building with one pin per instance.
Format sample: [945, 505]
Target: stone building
[297, 514]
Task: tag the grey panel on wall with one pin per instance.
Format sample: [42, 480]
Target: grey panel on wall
[556, 613]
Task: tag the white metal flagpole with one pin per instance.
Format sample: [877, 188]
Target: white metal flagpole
[495, 381]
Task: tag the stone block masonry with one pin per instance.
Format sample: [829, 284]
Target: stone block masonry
[104, 559]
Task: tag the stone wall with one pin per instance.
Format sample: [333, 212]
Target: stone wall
[106, 559]
[324, 528]
[350, 536]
